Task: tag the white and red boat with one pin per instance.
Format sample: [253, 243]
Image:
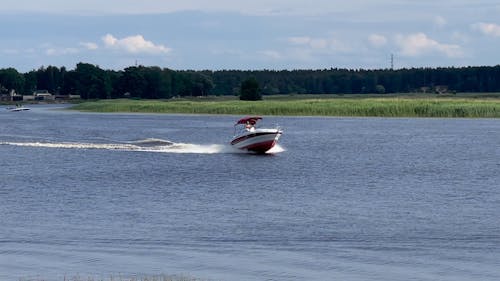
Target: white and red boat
[249, 137]
[17, 108]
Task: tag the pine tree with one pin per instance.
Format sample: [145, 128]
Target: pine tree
[250, 90]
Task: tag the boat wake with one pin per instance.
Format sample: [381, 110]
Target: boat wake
[145, 145]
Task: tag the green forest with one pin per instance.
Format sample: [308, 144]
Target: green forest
[92, 82]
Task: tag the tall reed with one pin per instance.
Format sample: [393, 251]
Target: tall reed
[377, 107]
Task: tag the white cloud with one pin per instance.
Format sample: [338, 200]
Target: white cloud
[134, 44]
[490, 29]
[318, 44]
[89, 45]
[417, 44]
[272, 54]
[10, 51]
[314, 43]
[303, 40]
[440, 21]
[61, 51]
[459, 36]
[377, 40]
[308, 51]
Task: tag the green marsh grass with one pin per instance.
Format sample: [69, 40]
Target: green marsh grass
[405, 106]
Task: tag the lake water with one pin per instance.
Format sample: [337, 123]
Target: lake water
[95, 195]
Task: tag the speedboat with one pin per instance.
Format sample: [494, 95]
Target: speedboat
[248, 137]
[18, 108]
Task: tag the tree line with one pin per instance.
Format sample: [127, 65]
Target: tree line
[92, 82]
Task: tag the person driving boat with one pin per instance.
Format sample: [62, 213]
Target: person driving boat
[249, 127]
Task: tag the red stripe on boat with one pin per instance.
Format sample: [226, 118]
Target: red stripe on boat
[260, 147]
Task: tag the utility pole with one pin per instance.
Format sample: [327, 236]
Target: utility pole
[392, 61]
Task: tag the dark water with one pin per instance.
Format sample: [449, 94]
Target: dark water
[342, 199]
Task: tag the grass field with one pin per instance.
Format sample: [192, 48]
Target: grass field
[473, 106]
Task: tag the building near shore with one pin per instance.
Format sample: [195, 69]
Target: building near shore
[11, 96]
[43, 95]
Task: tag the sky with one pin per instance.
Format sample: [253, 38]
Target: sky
[249, 35]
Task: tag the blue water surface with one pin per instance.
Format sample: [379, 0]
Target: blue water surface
[99, 195]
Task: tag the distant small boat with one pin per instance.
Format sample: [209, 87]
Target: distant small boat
[18, 108]
[248, 137]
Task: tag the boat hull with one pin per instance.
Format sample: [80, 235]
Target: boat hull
[258, 141]
[17, 109]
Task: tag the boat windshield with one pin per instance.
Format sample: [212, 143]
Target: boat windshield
[248, 125]
[249, 120]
